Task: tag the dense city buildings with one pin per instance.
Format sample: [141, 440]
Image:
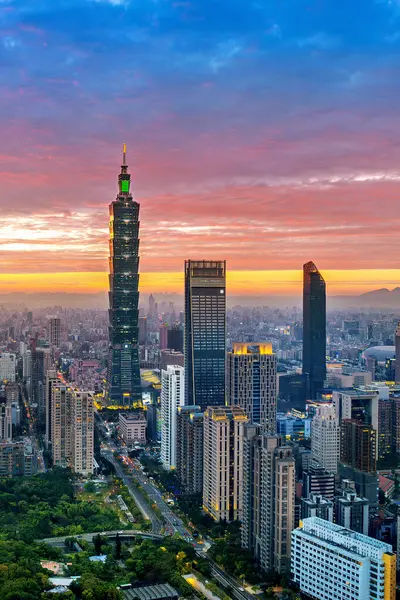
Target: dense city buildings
[330, 562]
[41, 362]
[172, 396]
[55, 332]
[251, 382]
[8, 366]
[317, 506]
[123, 381]
[17, 458]
[268, 499]
[314, 329]
[5, 419]
[205, 332]
[397, 346]
[358, 445]
[163, 333]
[351, 510]
[325, 438]
[189, 452]
[293, 427]
[317, 480]
[132, 428]
[170, 358]
[360, 405]
[175, 338]
[223, 462]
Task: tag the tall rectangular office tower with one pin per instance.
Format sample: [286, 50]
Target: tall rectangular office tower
[251, 382]
[205, 332]
[314, 329]
[123, 381]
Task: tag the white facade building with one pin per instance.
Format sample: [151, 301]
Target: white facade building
[330, 562]
[172, 396]
[8, 363]
[325, 438]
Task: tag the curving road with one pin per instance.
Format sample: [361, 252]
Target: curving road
[147, 512]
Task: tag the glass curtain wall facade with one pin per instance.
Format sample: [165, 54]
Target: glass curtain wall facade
[123, 385]
[205, 332]
[314, 329]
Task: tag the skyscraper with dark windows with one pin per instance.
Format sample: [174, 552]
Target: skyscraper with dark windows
[314, 329]
[123, 385]
[205, 332]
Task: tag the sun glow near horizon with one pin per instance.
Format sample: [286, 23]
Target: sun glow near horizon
[245, 283]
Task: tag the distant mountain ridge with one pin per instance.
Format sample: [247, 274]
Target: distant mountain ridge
[382, 293]
[381, 298]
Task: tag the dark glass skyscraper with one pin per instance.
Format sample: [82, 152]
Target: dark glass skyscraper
[205, 332]
[123, 385]
[314, 329]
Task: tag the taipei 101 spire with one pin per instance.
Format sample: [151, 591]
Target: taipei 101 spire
[123, 379]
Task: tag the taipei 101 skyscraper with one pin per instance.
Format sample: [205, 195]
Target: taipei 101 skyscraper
[123, 380]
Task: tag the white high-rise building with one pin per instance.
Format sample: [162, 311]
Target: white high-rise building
[252, 383]
[82, 431]
[8, 365]
[325, 438]
[331, 562]
[172, 396]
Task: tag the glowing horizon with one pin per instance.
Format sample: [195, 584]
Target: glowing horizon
[266, 134]
[243, 283]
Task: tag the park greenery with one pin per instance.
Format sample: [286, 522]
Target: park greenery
[46, 505]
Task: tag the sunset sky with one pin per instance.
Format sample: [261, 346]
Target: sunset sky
[266, 133]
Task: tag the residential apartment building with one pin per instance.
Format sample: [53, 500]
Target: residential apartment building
[189, 452]
[223, 462]
[330, 562]
[82, 433]
[268, 498]
[172, 396]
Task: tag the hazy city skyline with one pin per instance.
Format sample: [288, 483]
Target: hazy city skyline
[252, 136]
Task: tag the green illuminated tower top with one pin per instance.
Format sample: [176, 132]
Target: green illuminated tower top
[124, 178]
